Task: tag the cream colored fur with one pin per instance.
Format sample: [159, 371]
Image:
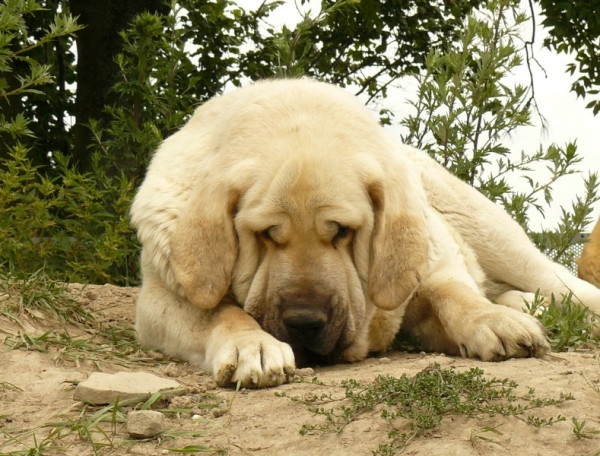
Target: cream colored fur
[243, 211]
[589, 263]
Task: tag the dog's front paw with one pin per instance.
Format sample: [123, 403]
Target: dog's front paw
[502, 333]
[252, 357]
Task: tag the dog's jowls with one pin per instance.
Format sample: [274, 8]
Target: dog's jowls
[282, 223]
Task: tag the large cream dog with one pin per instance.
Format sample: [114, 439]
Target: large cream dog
[283, 224]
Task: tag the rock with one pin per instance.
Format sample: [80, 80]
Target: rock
[218, 412]
[384, 360]
[91, 295]
[101, 388]
[144, 424]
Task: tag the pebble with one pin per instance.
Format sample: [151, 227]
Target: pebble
[144, 424]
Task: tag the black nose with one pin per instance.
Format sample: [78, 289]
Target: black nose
[304, 324]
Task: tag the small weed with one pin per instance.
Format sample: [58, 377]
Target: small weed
[579, 429]
[539, 422]
[569, 324]
[478, 434]
[412, 405]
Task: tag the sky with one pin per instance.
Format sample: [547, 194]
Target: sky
[566, 118]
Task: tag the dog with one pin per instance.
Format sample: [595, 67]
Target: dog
[588, 265]
[283, 224]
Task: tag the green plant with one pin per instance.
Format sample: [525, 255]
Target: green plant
[579, 430]
[569, 324]
[21, 73]
[412, 405]
[479, 433]
[465, 108]
[73, 225]
[573, 28]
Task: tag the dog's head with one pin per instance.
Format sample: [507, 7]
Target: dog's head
[310, 219]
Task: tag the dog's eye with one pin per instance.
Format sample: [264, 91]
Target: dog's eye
[267, 235]
[342, 233]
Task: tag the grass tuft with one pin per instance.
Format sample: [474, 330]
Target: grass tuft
[40, 298]
[570, 325]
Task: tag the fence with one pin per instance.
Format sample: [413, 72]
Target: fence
[575, 249]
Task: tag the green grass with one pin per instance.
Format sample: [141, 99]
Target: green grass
[69, 330]
[41, 299]
[113, 345]
[579, 430]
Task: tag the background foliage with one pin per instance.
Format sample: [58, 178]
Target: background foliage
[68, 174]
[574, 28]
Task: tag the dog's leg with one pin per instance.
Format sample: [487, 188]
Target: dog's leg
[503, 250]
[226, 341]
[449, 316]
[518, 300]
[450, 313]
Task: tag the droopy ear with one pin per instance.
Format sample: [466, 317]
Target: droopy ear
[204, 246]
[399, 258]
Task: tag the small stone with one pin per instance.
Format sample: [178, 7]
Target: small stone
[182, 402]
[173, 370]
[91, 295]
[384, 360]
[144, 424]
[217, 412]
[305, 372]
[101, 388]
[196, 389]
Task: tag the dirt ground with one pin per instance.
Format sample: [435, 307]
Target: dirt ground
[36, 388]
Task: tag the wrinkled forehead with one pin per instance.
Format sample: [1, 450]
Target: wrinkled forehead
[308, 189]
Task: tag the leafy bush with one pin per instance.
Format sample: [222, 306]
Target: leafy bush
[465, 109]
[73, 225]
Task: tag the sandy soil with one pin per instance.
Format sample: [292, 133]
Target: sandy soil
[36, 399]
